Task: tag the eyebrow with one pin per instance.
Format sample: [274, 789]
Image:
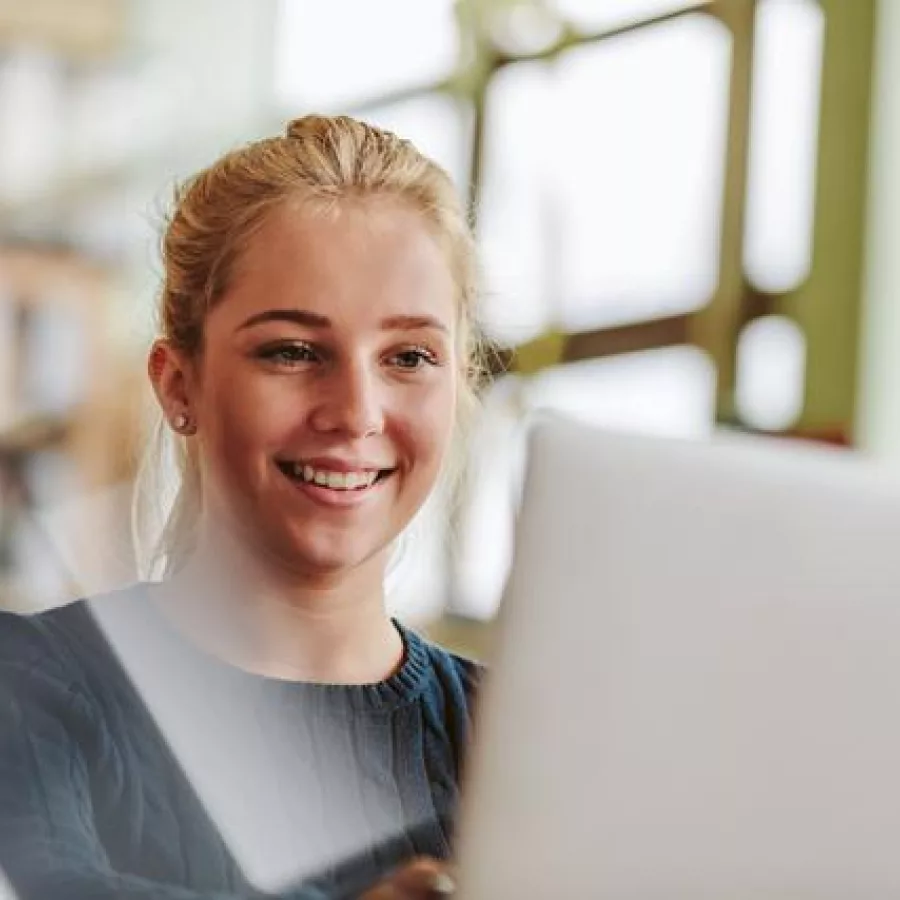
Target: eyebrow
[309, 319]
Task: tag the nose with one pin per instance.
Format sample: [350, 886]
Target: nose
[349, 403]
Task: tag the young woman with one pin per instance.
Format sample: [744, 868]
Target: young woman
[255, 724]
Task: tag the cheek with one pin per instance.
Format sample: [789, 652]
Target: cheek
[432, 423]
[244, 416]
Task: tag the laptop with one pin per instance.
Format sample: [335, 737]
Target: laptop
[695, 693]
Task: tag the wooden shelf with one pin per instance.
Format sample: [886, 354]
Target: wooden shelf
[57, 461]
[95, 32]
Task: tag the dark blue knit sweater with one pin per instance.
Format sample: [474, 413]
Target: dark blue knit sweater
[133, 767]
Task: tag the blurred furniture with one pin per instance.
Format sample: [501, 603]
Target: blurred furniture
[63, 434]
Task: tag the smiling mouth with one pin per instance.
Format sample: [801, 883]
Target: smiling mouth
[334, 481]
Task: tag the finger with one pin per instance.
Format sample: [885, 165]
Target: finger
[428, 876]
[421, 879]
[439, 887]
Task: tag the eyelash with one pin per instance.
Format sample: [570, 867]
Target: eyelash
[278, 354]
[422, 355]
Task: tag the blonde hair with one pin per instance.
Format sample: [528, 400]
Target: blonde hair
[321, 160]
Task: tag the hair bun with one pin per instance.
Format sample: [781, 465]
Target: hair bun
[310, 126]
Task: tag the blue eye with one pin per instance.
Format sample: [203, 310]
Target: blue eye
[288, 354]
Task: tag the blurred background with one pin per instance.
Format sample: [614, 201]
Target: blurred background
[687, 214]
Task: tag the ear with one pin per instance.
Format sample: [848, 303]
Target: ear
[171, 375]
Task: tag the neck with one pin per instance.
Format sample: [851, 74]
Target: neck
[271, 622]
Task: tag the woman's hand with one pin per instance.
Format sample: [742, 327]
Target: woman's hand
[421, 879]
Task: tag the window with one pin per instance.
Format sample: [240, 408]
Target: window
[785, 131]
[348, 51]
[608, 14]
[640, 168]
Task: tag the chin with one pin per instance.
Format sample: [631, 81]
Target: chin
[327, 557]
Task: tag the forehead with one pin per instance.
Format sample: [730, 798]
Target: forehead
[355, 262]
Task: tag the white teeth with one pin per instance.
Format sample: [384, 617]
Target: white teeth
[337, 481]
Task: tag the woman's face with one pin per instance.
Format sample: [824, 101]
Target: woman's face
[325, 395]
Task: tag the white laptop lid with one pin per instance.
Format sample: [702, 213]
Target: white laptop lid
[696, 692]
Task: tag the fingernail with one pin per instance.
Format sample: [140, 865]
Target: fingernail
[443, 885]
